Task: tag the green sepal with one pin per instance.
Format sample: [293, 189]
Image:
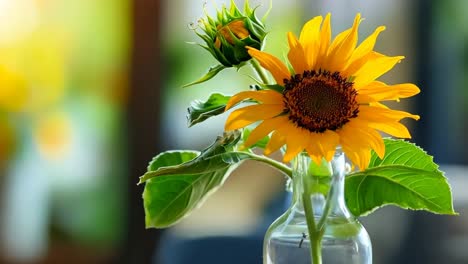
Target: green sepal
[319, 177]
[232, 54]
[406, 177]
[274, 87]
[199, 111]
[262, 86]
[212, 71]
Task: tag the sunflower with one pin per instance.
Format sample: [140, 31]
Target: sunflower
[329, 97]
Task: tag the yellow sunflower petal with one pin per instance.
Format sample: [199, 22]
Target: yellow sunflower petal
[310, 31]
[365, 99]
[325, 36]
[357, 131]
[313, 149]
[250, 114]
[264, 96]
[374, 69]
[351, 154]
[296, 55]
[378, 104]
[380, 91]
[237, 27]
[342, 47]
[376, 113]
[351, 138]
[392, 128]
[338, 40]
[316, 159]
[291, 152]
[294, 141]
[325, 142]
[359, 156]
[377, 143]
[277, 140]
[386, 120]
[357, 64]
[264, 129]
[367, 45]
[364, 158]
[272, 64]
[309, 39]
[314, 154]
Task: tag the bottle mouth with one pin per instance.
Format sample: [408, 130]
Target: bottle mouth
[338, 152]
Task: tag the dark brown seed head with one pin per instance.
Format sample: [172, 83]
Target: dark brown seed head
[320, 100]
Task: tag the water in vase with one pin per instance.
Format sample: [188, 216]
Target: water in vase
[343, 243]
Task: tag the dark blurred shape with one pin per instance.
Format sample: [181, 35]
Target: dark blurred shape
[436, 64]
[412, 250]
[246, 249]
[439, 74]
[143, 126]
[214, 250]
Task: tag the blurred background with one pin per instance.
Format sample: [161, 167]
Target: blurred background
[91, 90]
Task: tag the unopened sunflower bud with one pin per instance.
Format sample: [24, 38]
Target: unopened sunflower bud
[236, 28]
[227, 36]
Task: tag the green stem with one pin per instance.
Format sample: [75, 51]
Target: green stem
[326, 210]
[316, 249]
[259, 70]
[275, 164]
[315, 234]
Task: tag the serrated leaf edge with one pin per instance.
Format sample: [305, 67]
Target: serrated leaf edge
[365, 213]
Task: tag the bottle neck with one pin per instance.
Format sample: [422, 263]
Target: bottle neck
[323, 181]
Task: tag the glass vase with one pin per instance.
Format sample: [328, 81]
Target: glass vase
[318, 227]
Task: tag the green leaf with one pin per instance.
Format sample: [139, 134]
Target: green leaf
[169, 198]
[212, 71]
[200, 111]
[274, 87]
[260, 86]
[164, 198]
[177, 182]
[406, 177]
[210, 159]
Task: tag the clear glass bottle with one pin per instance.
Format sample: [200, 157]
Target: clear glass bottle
[341, 238]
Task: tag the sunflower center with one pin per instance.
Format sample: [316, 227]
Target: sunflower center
[320, 100]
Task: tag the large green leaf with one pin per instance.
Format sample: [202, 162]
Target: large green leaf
[178, 181]
[165, 198]
[200, 111]
[406, 177]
